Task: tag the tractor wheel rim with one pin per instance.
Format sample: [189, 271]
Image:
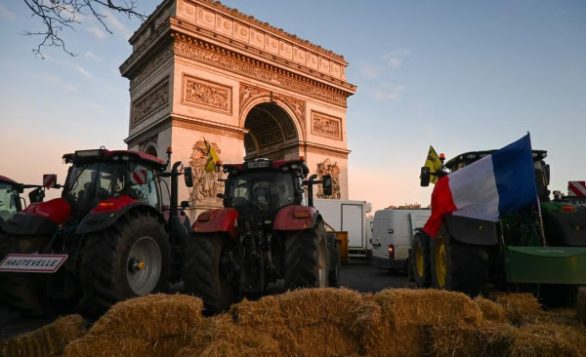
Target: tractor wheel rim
[441, 267]
[419, 261]
[145, 253]
[321, 266]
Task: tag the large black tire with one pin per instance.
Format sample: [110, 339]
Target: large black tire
[306, 258]
[420, 261]
[23, 291]
[129, 259]
[458, 266]
[208, 270]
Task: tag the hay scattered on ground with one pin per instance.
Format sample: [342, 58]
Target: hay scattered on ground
[488, 339]
[520, 308]
[49, 340]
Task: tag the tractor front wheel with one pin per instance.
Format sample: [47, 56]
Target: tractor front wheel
[306, 258]
[131, 258]
[420, 260]
[458, 266]
[209, 272]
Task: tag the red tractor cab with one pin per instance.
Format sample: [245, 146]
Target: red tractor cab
[267, 235]
[106, 239]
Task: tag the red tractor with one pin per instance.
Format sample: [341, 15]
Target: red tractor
[267, 236]
[108, 238]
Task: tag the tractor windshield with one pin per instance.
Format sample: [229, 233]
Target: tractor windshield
[89, 183]
[260, 192]
[9, 201]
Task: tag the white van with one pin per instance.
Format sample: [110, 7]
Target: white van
[392, 236]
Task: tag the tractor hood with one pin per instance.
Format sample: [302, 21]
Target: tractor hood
[39, 218]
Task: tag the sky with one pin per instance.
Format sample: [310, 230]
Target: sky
[460, 75]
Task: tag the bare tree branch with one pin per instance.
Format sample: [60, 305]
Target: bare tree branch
[58, 15]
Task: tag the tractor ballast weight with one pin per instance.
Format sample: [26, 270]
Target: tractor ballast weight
[109, 232]
[268, 237]
[468, 254]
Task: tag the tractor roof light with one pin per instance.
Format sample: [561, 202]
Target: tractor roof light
[89, 153]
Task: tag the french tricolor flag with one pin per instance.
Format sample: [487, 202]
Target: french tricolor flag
[501, 182]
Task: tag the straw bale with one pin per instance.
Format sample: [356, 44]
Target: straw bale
[151, 317]
[488, 339]
[326, 340]
[388, 341]
[520, 307]
[547, 340]
[427, 307]
[581, 305]
[491, 311]
[49, 340]
[307, 307]
[265, 311]
[109, 347]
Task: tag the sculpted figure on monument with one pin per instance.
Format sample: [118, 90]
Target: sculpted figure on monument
[327, 168]
[203, 160]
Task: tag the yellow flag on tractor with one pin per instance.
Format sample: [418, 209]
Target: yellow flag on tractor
[211, 156]
[434, 163]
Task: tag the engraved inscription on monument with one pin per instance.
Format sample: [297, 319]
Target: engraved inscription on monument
[214, 96]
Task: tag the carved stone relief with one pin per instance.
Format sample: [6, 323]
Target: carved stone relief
[326, 125]
[213, 96]
[149, 103]
[206, 184]
[328, 168]
[259, 71]
[155, 62]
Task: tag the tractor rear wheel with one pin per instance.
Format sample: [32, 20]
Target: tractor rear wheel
[306, 258]
[23, 291]
[420, 260]
[458, 266]
[129, 259]
[208, 270]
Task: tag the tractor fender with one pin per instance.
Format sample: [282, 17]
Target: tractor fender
[109, 211]
[218, 220]
[39, 218]
[471, 230]
[296, 218]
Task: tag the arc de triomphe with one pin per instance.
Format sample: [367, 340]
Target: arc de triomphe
[207, 77]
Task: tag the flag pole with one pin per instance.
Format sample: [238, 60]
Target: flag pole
[539, 213]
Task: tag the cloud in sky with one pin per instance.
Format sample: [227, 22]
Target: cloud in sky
[61, 83]
[396, 58]
[97, 32]
[92, 56]
[6, 14]
[116, 25]
[371, 71]
[84, 72]
[391, 94]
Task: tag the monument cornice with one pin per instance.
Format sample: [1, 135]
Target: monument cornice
[220, 57]
[325, 149]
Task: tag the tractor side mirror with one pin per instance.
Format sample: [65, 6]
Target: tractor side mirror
[185, 204]
[424, 176]
[37, 195]
[326, 182]
[50, 181]
[188, 176]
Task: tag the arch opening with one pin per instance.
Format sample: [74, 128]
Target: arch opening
[271, 133]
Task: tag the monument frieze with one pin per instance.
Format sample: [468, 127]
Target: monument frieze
[326, 125]
[152, 101]
[207, 94]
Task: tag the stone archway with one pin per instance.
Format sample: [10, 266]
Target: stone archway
[271, 133]
[208, 80]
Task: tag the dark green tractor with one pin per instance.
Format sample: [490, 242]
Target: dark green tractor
[540, 248]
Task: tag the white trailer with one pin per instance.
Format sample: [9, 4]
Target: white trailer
[392, 236]
[349, 216]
